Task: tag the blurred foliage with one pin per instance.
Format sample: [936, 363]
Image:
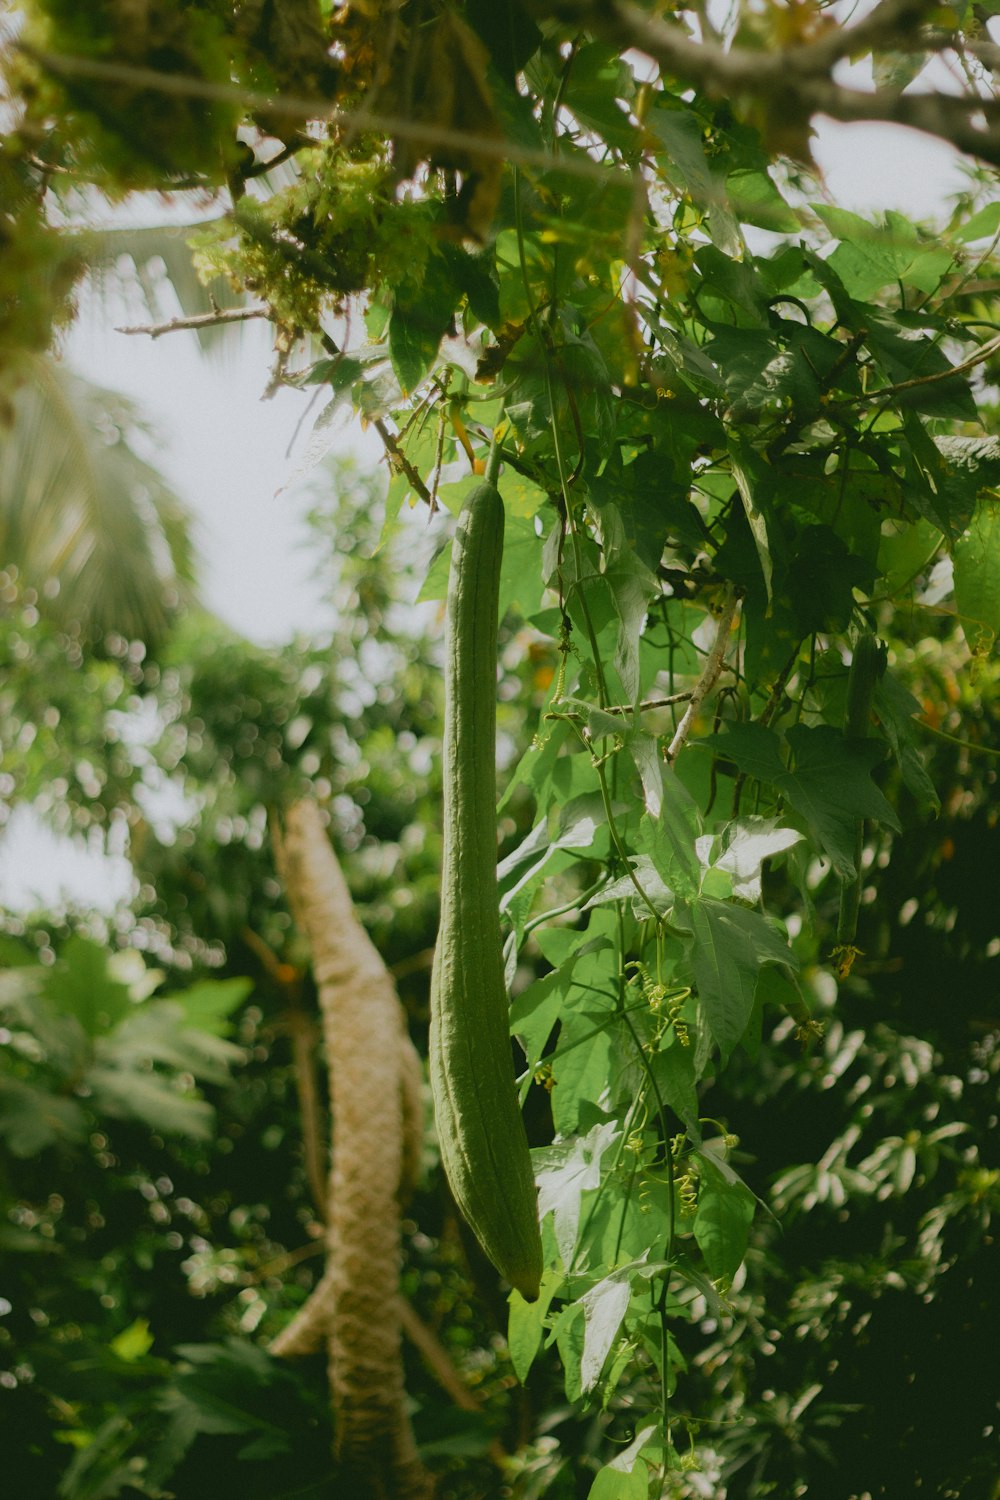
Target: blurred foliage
[708, 387]
[836, 1357]
[91, 534]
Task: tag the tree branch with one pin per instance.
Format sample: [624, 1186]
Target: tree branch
[798, 78]
[710, 671]
[199, 320]
[400, 462]
[983, 353]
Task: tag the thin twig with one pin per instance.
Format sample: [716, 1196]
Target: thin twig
[282, 1263]
[625, 708]
[199, 320]
[400, 462]
[436, 1357]
[650, 703]
[261, 168]
[954, 740]
[710, 671]
[983, 353]
[295, 106]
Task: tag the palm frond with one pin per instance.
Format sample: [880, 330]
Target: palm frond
[88, 522]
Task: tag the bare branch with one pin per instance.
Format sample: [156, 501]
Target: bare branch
[710, 671]
[401, 463]
[436, 1357]
[983, 353]
[648, 705]
[798, 78]
[304, 108]
[632, 708]
[199, 320]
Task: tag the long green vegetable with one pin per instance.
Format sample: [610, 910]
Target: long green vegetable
[483, 1145]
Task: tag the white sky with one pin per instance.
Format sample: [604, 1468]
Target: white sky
[225, 452]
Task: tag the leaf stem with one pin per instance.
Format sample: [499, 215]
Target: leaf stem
[954, 740]
[492, 473]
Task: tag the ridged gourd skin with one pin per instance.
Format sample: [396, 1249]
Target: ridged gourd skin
[483, 1143]
[867, 666]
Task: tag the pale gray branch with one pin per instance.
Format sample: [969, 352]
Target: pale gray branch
[199, 320]
[710, 671]
[797, 79]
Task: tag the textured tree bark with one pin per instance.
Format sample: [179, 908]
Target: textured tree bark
[355, 1306]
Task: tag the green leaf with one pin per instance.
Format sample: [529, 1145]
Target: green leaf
[604, 1308]
[971, 464]
[133, 1342]
[208, 1005]
[723, 1218]
[80, 985]
[151, 1099]
[32, 1118]
[655, 893]
[535, 768]
[982, 226]
[830, 785]
[598, 80]
[516, 300]
[977, 577]
[894, 71]
[849, 498]
[673, 1069]
[80, 505]
[632, 587]
[588, 1063]
[753, 482]
[569, 1341]
[471, 275]
[535, 1011]
[731, 945]
[564, 1172]
[756, 200]
[671, 839]
[904, 354]
[905, 552]
[873, 256]
[684, 161]
[895, 708]
[521, 585]
[435, 584]
[627, 1476]
[741, 847]
[520, 496]
[421, 314]
[651, 494]
[821, 579]
[156, 1033]
[769, 374]
[526, 1323]
[510, 34]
